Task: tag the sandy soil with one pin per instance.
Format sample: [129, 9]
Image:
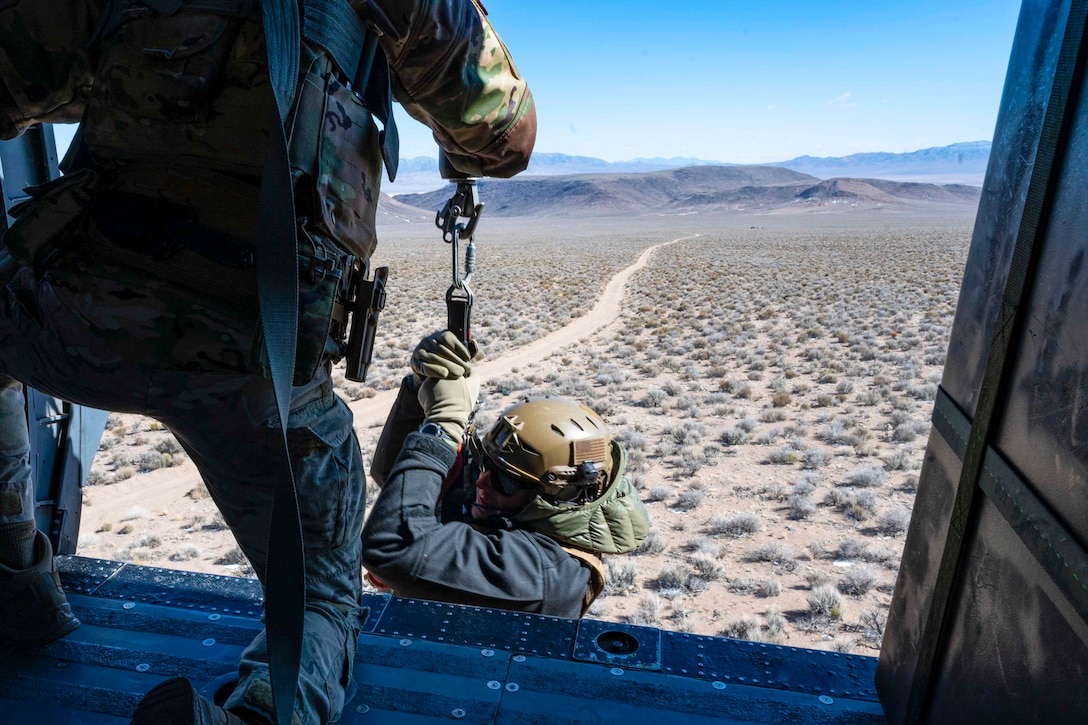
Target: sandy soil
[720, 358]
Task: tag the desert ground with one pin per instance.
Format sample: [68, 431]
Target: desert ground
[771, 376]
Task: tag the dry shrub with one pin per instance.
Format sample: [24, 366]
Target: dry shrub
[894, 521]
[858, 580]
[653, 544]
[233, 556]
[186, 552]
[647, 612]
[781, 400]
[773, 553]
[744, 628]
[826, 602]
[735, 526]
[620, 576]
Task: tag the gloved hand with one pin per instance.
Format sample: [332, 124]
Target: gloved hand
[449, 403]
[442, 355]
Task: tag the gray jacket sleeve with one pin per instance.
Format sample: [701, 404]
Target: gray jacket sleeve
[408, 547]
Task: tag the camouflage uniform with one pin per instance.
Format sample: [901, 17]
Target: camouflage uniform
[16, 490]
[125, 285]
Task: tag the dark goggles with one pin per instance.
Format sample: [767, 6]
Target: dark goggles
[506, 484]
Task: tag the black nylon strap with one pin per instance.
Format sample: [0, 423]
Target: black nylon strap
[379, 99]
[277, 289]
[1044, 177]
[283, 38]
[335, 27]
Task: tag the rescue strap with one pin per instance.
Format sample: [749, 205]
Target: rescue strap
[596, 583]
[1045, 174]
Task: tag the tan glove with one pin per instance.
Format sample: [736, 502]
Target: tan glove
[449, 403]
[442, 355]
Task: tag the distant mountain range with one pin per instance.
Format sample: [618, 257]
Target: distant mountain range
[693, 189]
[960, 163]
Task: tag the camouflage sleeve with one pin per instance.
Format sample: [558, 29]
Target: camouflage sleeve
[44, 65]
[452, 72]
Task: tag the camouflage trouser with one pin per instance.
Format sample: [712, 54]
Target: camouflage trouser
[16, 488]
[112, 335]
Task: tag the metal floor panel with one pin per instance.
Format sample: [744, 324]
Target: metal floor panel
[39, 713]
[421, 662]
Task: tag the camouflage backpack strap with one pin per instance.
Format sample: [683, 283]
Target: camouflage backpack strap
[594, 563]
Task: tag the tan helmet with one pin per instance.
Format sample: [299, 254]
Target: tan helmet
[559, 445]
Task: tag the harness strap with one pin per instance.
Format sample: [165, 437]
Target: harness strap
[277, 290]
[595, 565]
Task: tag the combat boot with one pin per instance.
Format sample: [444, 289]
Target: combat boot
[175, 702]
[33, 608]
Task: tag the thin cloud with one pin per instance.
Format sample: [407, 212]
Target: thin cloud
[843, 100]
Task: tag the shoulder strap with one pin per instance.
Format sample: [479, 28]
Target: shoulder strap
[277, 289]
[595, 565]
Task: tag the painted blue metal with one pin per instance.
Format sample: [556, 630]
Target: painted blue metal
[421, 662]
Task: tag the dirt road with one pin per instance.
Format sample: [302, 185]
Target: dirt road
[163, 489]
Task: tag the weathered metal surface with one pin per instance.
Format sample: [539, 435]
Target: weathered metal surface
[421, 662]
[734, 662]
[478, 627]
[1015, 647]
[624, 645]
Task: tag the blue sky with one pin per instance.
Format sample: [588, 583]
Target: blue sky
[751, 82]
[755, 81]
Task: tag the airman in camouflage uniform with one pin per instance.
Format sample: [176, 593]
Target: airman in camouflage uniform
[128, 284]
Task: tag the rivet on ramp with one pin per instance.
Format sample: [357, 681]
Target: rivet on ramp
[826, 700]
